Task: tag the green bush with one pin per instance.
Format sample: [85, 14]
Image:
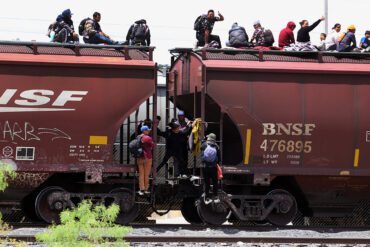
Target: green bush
[86, 226]
[6, 172]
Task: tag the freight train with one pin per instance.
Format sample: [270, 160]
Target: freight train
[292, 127]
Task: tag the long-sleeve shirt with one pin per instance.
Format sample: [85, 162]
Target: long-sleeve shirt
[304, 33]
[332, 39]
[286, 36]
[92, 27]
[148, 144]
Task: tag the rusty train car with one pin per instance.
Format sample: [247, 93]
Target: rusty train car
[292, 128]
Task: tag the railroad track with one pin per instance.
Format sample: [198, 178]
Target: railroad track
[200, 227]
[227, 239]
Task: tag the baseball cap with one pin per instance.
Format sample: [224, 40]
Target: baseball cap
[180, 113]
[144, 128]
[257, 23]
[351, 27]
[211, 136]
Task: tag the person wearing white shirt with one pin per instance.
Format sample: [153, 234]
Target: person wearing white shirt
[332, 39]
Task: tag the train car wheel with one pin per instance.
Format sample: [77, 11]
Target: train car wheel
[129, 209]
[287, 212]
[189, 211]
[45, 211]
[213, 213]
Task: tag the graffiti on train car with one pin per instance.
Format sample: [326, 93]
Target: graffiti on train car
[15, 131]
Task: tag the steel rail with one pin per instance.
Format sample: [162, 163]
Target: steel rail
[221, 239]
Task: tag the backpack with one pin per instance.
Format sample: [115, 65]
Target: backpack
[139, 32]
[269, 37]
[210, 154]
[81, 27]
[136, 148]
[198, 22]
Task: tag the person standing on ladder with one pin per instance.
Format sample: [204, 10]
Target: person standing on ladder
[210, 157]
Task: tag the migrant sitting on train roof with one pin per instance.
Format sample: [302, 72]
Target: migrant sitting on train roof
[263, 37]
[138, 34]
[92, 32]
[286, 36]
[238, 37]
[347, 41]
[365, 41]
[322, 45]
[204, 26]
[210, 157]
[63, 28]
[333, 37]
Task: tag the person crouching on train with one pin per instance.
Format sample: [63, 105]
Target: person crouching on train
[145, 162]
[210, 157]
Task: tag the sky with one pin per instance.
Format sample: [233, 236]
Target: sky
[171, 21]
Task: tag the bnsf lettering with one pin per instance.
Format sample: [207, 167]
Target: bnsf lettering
[295, 129]
[38, 97]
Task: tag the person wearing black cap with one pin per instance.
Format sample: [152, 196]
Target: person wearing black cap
[174, 148]
[64, 29]
[210, 157]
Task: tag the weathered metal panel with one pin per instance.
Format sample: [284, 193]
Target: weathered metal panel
[66, 110]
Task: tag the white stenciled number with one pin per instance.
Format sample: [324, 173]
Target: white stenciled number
[264, 145]
[307, 147]
[290, 147]
[281, 146]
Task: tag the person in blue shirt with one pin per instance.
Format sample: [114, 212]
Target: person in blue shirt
[365, 41]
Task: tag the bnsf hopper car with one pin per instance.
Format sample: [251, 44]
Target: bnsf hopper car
[294, 129]
[61, 108]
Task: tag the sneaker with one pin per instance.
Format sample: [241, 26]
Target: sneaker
[207, 200]
[216, 199]
[147, 192]
[140, 192]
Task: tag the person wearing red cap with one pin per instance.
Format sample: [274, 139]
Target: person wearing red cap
[286, 36]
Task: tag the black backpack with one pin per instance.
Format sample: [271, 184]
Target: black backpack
[139, 32]
[136, 148]
[198, 22]
[269, 37]
[81, 27]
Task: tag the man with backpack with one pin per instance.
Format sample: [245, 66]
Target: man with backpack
[262, 36]
[64, 29]
[210, 157]
[138, 34]
[141, 147]
[92, 33]
[203, 26]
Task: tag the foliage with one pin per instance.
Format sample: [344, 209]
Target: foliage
[86, 226]
[6, 172]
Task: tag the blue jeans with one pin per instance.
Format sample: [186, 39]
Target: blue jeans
[98, 39]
